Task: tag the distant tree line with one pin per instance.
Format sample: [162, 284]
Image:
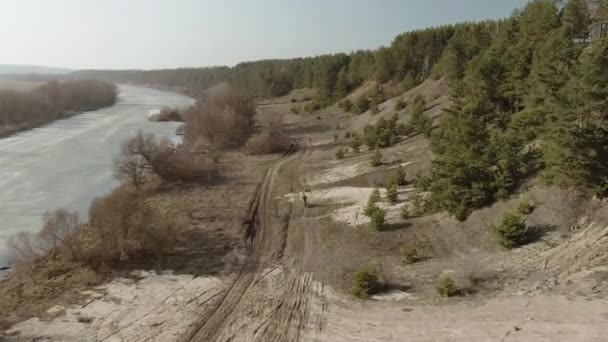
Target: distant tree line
[411, 58]
[51, 101]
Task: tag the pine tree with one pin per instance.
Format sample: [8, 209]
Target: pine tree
[399, 176]
[376, 157]
[384, 66]
[391, 193]
[372, 206]
[576, 18]
[341, 84]
[421, 122]
[575, 150]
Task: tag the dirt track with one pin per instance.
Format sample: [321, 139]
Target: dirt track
[280, 314]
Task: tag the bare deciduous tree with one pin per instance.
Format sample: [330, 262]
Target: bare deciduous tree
[59, 230]
[222, 117]
[143, 155]
[25, 245]
[271, 138]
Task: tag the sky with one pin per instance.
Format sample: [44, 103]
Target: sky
[152, 34]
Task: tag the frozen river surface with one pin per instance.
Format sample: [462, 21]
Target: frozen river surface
[69, 162]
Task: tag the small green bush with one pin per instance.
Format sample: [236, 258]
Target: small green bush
[391, 193]
[525, 208]
[399, 176]
[378, 219]
[400, 104]
[340, 154]
[512, 231]
[375, 109]
[295, 110]
[405, 129]
[365, 283]
[371, 206]
[405, 212]
[355, 144]
[312, 107]
[410, 255]
[347, 135]
[294, 100]
[376, 158]
[346, 105]
[362, 105]
[446, 286]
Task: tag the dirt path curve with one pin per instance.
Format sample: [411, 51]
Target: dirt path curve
[279, 318]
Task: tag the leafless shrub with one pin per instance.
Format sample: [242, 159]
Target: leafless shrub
[144, 155]
[123, 226]
[167, 114]
[25, 245]
[60, 231]
[271, 139]
[222, 117]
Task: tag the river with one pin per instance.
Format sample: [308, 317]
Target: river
[67, 163]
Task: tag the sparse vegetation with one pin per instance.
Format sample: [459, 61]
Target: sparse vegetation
[340, 154]
[378, 218]
[355, 143]
[446, 286]
[365, 283]
[372, 206]
[392, 193]
[312, 107]
[346, 105]
[376, 158]
[400, 104]
[404, 212]
[512, 231]
[410, 255]
[399, 176]
[525, 208]
[362, 105]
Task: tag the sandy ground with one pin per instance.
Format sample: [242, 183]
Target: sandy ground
[540, 318]
[151, 307]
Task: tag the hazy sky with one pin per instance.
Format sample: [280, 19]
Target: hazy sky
[177, 33]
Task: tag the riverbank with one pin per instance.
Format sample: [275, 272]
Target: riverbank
[23, 109]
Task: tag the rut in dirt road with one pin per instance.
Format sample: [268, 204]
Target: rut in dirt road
[291, 314]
